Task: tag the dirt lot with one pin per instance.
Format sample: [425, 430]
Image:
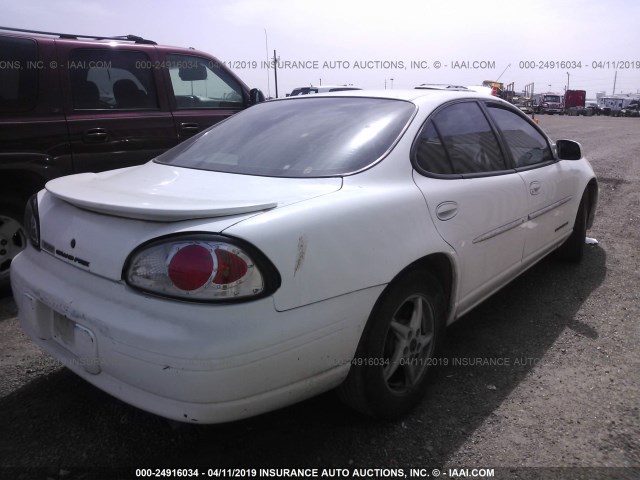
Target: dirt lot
[560, 399]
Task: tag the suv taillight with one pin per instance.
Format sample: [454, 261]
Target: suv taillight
[32, 221]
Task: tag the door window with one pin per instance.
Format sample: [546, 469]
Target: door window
[201, 83]
[111, 79]
[459, 140]
[526, 144]
[18, 74]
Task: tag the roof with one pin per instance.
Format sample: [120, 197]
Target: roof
[330, 86]
[440, 86]
[408, 95]
[423, 99]
[73, 36]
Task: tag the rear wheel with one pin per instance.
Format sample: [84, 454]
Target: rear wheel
[388, 376]
[12, 237]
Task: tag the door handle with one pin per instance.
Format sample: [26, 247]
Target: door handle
[535, 187]
[95, 135]
[446, 210]
[190, 127]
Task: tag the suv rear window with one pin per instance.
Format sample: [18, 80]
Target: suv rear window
[18, 74]
[306, 137]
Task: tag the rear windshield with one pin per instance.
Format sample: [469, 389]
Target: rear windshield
[306, 137]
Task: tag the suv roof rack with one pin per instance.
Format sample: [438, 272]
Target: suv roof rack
[440, 86]
[127, 38]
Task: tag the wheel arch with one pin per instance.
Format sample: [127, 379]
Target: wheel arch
[442, 267]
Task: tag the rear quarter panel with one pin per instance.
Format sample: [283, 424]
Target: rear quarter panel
[359, 237]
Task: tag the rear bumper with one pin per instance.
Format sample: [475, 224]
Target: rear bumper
[185, 361]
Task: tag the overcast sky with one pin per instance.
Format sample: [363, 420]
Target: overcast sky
[360, 42]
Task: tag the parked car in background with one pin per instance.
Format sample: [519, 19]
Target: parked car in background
[320, 89]
[590, 109]
[631, 110]
[274, 256]
[526, 108]
[71, 103]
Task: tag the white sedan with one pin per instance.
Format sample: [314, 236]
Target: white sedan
[301, 245]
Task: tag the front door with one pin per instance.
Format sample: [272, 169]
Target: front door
[549, 185]
[204, 93]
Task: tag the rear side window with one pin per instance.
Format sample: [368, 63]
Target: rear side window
[459, 140]
[200, 83]
[431, 154]
[527, 145]
[18, 74]
[111, 79]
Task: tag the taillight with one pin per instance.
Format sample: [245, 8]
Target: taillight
[201, 267]
[32, 221]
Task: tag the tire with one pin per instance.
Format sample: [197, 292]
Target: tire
[12, 237]
[572, 250]
[388, 375]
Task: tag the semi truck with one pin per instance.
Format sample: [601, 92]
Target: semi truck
[549, 103]
[574, 101]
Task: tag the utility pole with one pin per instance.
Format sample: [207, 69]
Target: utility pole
[275, 70]
[266, 48]
[615, 79]
[567, 80]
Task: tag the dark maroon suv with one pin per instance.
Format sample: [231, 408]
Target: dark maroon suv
[71, 103]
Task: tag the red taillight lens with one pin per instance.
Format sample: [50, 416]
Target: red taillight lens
[230, 267]
[191, 267]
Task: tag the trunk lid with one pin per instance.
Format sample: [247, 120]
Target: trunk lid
[164, 193]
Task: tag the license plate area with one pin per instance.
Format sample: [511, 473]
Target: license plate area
[78, 340]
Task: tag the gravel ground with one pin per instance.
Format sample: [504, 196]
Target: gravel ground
[542, 379]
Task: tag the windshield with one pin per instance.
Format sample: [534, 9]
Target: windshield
[306, 137]
[552, 98]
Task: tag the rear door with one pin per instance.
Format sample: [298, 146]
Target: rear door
[202, 92]
[115, 112]
[33, 131]
[477, 202]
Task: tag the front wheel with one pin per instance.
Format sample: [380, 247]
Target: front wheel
[388, 376]
[12, 237]
[572, 249]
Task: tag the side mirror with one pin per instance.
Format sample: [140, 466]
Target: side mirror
[255, 96]
[568, 150]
